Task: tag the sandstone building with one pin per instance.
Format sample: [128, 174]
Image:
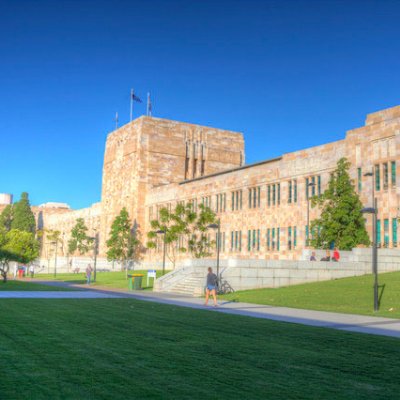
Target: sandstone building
[152, 162]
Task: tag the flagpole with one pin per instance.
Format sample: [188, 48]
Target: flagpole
[116, 120]
[131, 104]
[148, 103]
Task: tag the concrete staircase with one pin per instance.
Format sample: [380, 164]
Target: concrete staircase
[186, 281]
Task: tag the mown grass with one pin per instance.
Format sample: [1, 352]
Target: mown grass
[18, 285]
[116, 280]
[127, 349]
[348, 295]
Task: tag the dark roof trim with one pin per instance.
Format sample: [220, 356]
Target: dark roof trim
[228, 171]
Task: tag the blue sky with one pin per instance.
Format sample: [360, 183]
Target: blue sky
[288, 74]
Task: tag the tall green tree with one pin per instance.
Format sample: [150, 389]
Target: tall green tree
[79, 238]
[183, 222]
[22, 215]
[341, 222]
[18, 246]
[123, 244]
[6, 217]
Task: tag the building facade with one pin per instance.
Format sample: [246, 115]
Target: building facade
[263, 208]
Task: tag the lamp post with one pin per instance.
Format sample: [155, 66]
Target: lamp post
[55, 257]
[95, 250]
[163, 231]
[218, 227]
[374, 211]
[311, 184]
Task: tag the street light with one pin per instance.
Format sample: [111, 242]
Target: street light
[218, 227]
[311, 184]
[95, 250]
[55, 257]
[163, 231]
[374, 211]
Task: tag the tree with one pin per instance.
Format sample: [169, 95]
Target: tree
[18, 246]
[79, 239]
[23, 244]
[341, 221]
[22, 215]
[6, 217]
[122, 244]
[199, 243]
[183, 222]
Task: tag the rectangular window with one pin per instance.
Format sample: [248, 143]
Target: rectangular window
[290, 192]
[278, 238]
[273, 194]
[386, 232]
[240, 198]
[385, 176]
[258, 239]
[254, 197]
[279, 194]
[259, 196]
[313, 186]
[248, 240]
[319, 185]
[307, 183]
[240, 240]
[224, 201]
[253, 244]
[273, 238]
[377, 178]
[359, 179]
[295, 190]
[268, 239]
[269, 195]
[294, 237]
[250, 202]
[394, 232]
[290, 238]
[232, 241]
[378, 232]
[237, 200]
[233, 201]
[393, 172]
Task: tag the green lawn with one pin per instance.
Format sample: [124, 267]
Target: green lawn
[127, 349]
[12, 285]
[115, 280]
[348, 295]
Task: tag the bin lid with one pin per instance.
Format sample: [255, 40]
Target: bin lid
[137, 275]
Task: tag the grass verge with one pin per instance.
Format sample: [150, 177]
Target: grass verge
[347, 295]
[115, 280]
[20, 285]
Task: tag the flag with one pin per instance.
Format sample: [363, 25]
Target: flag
[135, 98]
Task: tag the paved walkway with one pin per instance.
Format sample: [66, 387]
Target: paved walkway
[87, 294]
[345, 322]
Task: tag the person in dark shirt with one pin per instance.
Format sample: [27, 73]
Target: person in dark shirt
[313, 258]
[211, 287]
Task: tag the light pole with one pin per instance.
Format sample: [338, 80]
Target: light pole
[218, 227]
[311, 184]
[95, 249]
[164, 248]
[55, 258]
[374, 211]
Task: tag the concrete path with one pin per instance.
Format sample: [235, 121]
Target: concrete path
[345, 322]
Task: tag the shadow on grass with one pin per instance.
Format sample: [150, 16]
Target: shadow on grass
[382, 289]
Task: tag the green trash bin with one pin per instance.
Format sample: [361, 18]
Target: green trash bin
[135, 281]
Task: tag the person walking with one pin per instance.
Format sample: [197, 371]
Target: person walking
[211, 287]
[32, 270]
[88, 273]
